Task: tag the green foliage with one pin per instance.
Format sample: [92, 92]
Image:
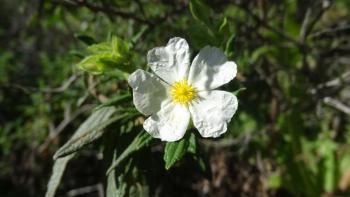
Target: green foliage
[106, 56]
[200, 11]
[89, 131]
[57, 173]
[174, 151]
[142, 140]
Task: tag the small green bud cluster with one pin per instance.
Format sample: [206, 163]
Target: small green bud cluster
[106, 56]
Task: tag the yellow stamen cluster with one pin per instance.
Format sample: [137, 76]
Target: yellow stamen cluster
[182, 92]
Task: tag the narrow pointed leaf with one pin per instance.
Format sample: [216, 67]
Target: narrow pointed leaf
[174, 151]
[237, 92]
[85, 39]
[200, 11]
[115, 100]
[192, 145]
[57, 173]
[141, 140]
[89, 131]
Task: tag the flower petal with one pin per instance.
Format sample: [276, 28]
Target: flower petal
[212, 111]
[148, 91]
[210, 69]
[170, 123]
[171, 63]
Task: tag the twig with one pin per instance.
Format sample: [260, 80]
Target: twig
[337, 105]
[331, 32]
[66, 121]
[309, 22]
[267, 26]
[241, 140]
[59, 89]
[304, 27]
[337, 82]
[316, 19]
[140, 5]
[88, 189]
[105, 9]
[344, 78]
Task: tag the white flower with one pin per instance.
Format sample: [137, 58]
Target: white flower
[178, 92]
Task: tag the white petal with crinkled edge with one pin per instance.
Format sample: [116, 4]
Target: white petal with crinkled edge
[210, 69]
[212, 110]
[170, 123]
[171, 63]
[149, 92]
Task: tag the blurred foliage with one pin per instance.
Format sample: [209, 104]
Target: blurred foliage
[290, 136]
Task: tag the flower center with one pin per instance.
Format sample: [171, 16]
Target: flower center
[182, 92]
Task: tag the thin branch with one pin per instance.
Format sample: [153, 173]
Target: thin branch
[241, 140]
[316, 19]
[309, 22]
[140, 5]
[104, 9]
[65, 122]
[88, 189]
[337, 105]
[344, 78]
[268, 26]
[332, 32]
[305, 26]
[59, 89]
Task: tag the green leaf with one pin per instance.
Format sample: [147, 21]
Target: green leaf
[174, 151]
[237, 92]
[116, 185]
[202, 165]
[57, 173]
[116, 47]
[119, 47]
[327, 149]
[192, 146]
[230, 45]
[138, 190]
[89, 131]
[76, 53]
[284, 81]
[200, 11]
[111, 189]
[193, 149]
[103, 47]
[86, 39]
[115, 100]
[330, 172]
[107, 56]
[259, 52]
[274, 181]
[224, 27]
[92, 64]
[142, 140]
[201, 35]
[139, 34]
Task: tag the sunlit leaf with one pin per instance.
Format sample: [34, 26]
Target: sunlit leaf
[89, 131]
[230, 45]
[142, 140]
[200, 11]
[57, 173]
[192, 146]
[174, 151]
[274, 181]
